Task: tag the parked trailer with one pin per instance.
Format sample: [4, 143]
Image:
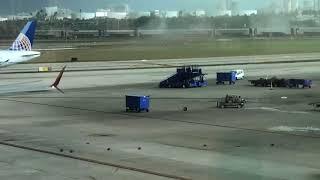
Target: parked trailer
[276, 82]
[297, 83]
[229, 77]
[185, 77]
[137, 103]
[231, 101]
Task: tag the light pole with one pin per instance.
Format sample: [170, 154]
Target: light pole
[118, 24]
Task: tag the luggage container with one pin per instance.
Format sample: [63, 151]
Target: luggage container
[297, 83]
[137, 103]
[223, 77]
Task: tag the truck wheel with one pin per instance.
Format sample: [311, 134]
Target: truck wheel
[147, 110]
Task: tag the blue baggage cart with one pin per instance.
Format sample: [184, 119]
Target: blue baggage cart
[137, 103]
[223, 77]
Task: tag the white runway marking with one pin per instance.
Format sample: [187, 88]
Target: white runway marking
[294, 129]
[277, 110]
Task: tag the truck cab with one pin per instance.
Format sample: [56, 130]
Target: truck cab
[239, 74]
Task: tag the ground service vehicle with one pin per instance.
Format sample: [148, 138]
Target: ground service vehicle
[185, 77]
[231, 101]
[239, 74]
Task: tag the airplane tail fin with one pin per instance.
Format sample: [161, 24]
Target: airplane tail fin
[58, 79]
[24, 41]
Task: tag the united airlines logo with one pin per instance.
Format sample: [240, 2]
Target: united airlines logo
[21, 43]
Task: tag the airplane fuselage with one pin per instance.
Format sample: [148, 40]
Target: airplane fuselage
[8, 57]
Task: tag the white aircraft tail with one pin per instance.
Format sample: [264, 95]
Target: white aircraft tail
[25, 39]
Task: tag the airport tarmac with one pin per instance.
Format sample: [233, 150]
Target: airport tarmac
[167, 63]
[86, 133]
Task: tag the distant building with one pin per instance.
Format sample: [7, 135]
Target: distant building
[287, 6]
[3, 19]
[272, 8]
[171, 14]
[139, 14]
[102, 13]
[156, 13]
[120, 8]
[199, 13]
[295, 5]
[248, 12]
[87, 15]
[20, 16]
[223, 13]
[118, 11]
[144, 13]
[229, 4]
[290, 6]
[117, 15]
[108, 13]
[224, 5]
[308, 5]
[234, 8]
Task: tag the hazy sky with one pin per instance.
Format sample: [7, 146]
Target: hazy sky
[14, 6]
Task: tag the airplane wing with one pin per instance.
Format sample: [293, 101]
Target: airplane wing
[24, 86]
